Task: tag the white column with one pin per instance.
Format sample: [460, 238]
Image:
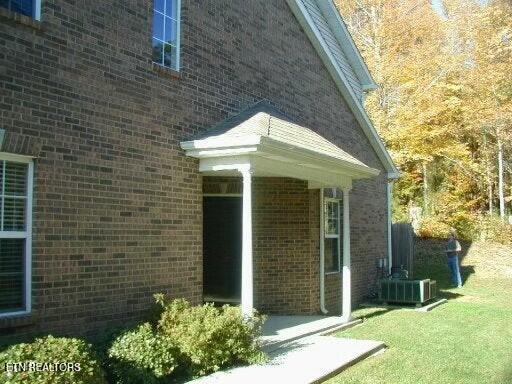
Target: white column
[346, 304]
[247, 275]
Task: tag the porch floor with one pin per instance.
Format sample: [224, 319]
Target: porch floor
[308, 360]
[298, 353]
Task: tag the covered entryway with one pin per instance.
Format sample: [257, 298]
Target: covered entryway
[222, 248]
[262, 142]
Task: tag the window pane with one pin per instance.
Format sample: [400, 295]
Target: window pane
[15, 179]
[25, 7]
[331, 255]
[170, 31]
[171, 8]
[11, 274]
[159, 5]
[169, 56]
[14, 214]
[331, 227]
[157, 51]
[158, 25]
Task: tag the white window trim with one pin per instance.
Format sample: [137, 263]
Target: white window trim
[178, 36]
[334, 236]
[37, 10]
[27, 234]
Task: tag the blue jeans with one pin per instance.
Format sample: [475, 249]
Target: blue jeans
[453, 264]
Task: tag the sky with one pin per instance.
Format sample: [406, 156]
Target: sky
[438, 5]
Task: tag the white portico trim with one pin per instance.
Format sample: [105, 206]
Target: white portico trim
[346, 304]
[260, 142]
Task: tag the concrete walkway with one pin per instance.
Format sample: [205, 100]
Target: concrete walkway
[279, 330]
[312, 359]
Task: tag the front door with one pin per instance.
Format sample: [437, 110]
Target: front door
[222, 248]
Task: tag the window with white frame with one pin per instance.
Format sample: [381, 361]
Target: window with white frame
[166, 33]
[30, 8]
[15, 234]
[332, 231]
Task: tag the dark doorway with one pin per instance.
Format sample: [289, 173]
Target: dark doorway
[222, 248]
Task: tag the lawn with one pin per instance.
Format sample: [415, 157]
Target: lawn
[467, 340]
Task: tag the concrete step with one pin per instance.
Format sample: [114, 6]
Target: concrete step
[279, 330]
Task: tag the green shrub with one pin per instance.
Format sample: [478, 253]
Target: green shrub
[143, 356]
[211, 338]
[52, 351]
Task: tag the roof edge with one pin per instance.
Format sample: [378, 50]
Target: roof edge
[340, 80]
[347, 44]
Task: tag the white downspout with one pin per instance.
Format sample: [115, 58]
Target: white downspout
[322, 255]
[390, 224]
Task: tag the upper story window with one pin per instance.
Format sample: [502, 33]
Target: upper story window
[166, 33]
[30, 8]
[16, 174]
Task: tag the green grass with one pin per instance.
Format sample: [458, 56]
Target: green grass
[467, 340]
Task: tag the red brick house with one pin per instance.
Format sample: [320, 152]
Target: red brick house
[209, 149]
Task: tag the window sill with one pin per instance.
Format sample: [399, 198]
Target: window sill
[18, 320]
[20, 19]
[161, 70]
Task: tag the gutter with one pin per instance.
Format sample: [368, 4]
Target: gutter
[322, 255]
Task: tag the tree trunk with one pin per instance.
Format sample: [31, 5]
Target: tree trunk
[425, 189]
[501, 187]
[491, 207]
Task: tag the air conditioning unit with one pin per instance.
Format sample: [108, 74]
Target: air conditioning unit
[407, 291]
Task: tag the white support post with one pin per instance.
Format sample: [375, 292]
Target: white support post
[247, 301]
[346, 304]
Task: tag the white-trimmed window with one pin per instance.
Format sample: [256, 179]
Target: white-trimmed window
[30, 8]
[16, 178]
[166, 33]
[332, 231]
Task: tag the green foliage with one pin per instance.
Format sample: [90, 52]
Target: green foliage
[211, 338]
[188, 340]
[53, 350]
[143, 356]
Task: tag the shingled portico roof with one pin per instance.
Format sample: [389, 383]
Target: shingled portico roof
[275, 146]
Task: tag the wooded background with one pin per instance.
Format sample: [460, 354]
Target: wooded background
[443, 106]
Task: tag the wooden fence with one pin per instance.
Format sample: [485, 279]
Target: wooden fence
[402, 243]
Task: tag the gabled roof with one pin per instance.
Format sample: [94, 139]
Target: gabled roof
[329, 36]
[263, 128]
[265, 120]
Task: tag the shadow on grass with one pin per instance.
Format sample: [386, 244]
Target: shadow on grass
[379, 312]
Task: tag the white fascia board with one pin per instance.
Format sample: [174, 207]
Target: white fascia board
[355, 106]
[346, 42]
[221, 142]
[221, 152]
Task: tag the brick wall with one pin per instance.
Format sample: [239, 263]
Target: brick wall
[117, 205]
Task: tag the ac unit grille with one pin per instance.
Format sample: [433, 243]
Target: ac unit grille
[407, 291]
